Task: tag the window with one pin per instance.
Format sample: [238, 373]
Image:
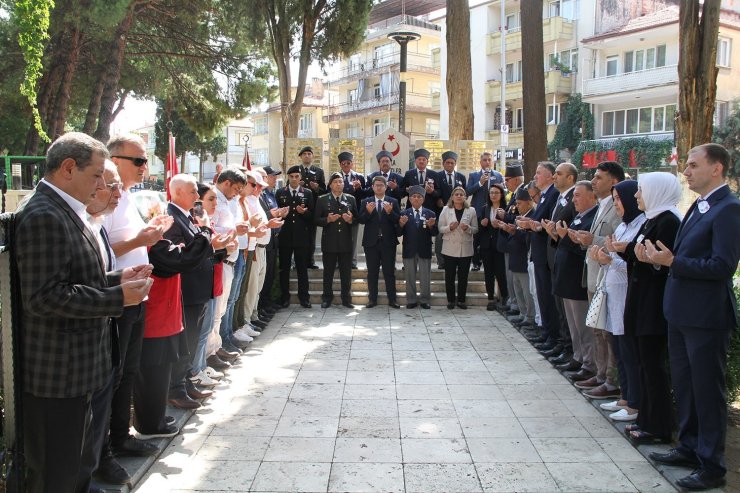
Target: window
[619, 122]
[509, 73]
[553, 114]
[260, 126]
[554, 9]
[650, 59]
[383, 54]
[607, 123]
[353, 130]
[670, 114]
[660, 56]
[658, 119]
[569, 9]
[305, 123]
[432, 128]
[574, 60]
[519, 123]
[646, 117]
[376, 91]
[354, 63]
[638, 120]
[612, 64]
[512, 21]
[721, 112]
[644, 59]
[723, 52]
[378, 126]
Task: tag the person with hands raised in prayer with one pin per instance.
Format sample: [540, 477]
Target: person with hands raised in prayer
[458, 223]
[418, 226]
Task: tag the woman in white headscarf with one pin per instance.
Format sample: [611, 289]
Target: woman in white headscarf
[657, 195]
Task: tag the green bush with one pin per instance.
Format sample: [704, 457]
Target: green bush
[733, 356]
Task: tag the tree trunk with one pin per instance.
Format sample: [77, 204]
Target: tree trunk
[697, 73]
[459, 72]
[533, 87]
[58, 117]
[93, 108]
[47, 85]
[112, 75]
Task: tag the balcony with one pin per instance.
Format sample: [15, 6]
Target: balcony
[553, 29]
[373, 67]
[415, 102]
[381, 29]
[516, 137]
[631, 81]
[555, 83]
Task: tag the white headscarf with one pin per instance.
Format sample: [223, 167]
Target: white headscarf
[660, 192]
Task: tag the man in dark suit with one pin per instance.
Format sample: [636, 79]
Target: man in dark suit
[354, 185]
[539, 239]
[567, 275]
[294, 236]
[195, 292]
[561, 348]
[418, 226]
[67, 303]
[335, 213]
[269, 203]
[427, 178]
[701, 311]
[393, 189]
[448, 179]
[380, 214]
[477, 189]
[312, 177]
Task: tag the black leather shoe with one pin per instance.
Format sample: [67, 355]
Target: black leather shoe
[579, 376]
[393, 304]
[572, 365]
[217, 363]
[674, 457]
[184, 403]
[354, 265]
[133, 447]
[285, 304]
[700, 480]
[347, 304]
[263, 315]
[545, 346]
[461, 305]
[313, 266]
[110, 471]
[553, 351]
[325, 304]
[371, 304]
[259, 324]
[491, 306]
[425, 306]
[475, 268]
[561, 358]
[450, 306]
[411, 305]
[269, 310]
[305, 304]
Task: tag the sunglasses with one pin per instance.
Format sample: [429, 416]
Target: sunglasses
[138, 161]
[114, 187]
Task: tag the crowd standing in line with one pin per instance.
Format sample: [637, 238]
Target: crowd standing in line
[603, 276]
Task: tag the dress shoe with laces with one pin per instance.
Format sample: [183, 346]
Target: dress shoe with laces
[313, 266]
[133, 447]
[561, 358]
[197, 393]
[461, 305]
[450, 306]
[184, 403]
[260, 324]
[225, 355]
[411, 305]
[570, 366]
[699, 480]
[674, 457]
[491, 306]
[553, 351]
[545, 346]
[306, 304]
[371, 304]
[110, 471]
[393, 304]
[347, 304]
[217, 363]
[425, 306]
[325, 304]
[580, 375]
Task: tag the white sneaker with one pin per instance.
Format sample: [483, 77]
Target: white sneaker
[203, 380]
[242, 336]
[249, 330]
[611, 406]
[623, 415]
[213, 373]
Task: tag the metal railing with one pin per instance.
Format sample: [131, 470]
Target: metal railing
[373, 66]
[414, 101]
[631, 81]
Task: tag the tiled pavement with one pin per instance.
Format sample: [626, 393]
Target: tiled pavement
[397, 401]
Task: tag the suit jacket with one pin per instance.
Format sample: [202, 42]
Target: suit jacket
[457, 243]
[569, 259]
[336, 237]
[488, 236]
[518, 249]
[604, 225]
[562, 212]
[479, 194]
[540, 239]
[380, 228]
[645, 284]
[396, 194]
[411, 178]
[458, 180]
[267, 206]
[417, 237]
[68, 299]
[361, 192]
[294, 233]
[699, 292]
[314, 173]
[195, 288]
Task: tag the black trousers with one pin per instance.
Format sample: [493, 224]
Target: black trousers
[656, 415]
[376, 257]
[301, 268]
[265, 300]
[546, 300]
[331, 259]
[58, 439]
[150, 397]
[477, 254]
[456, 267]
[625, 352]
[193, 318]
[564, 337]
[494, 268]
[698, 370]
[100, 406]
[130, 334]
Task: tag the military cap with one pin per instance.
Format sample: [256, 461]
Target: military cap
[382, 154]
[305, 149]
[417, 189]
[523, 194]
[513, 170]
[334, 176]
[345, 156]
[294, 169]
[449, 155]
[421, 152]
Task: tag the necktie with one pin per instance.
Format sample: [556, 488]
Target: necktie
[346, 179]
[421, 178]
[294, 194]
[385, 175]
[449, 179]
[380, 206]
[417, 215]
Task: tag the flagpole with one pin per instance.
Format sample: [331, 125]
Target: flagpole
[246, 163]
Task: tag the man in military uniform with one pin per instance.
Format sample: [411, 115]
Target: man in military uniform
[354, 184]
[294, 236]
[448, 180]
[418, 226]
[335, 213]
[312, 177]
[393, 185]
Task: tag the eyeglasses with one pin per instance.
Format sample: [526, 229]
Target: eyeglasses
[138, 161]
[252, 183]
[114, 187]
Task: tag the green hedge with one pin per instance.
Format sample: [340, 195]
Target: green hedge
[733, 356]
[650, 155]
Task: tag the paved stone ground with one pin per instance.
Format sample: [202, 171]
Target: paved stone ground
[398, 401]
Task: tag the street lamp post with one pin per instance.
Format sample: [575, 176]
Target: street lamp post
[403, 38]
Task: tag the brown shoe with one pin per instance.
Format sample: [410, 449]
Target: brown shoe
[184, 403]
[226, 355]
[195, 393]
[588, 384]
[601, 392]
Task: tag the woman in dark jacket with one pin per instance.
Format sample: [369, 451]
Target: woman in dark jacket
[494, 263]
[644, 323]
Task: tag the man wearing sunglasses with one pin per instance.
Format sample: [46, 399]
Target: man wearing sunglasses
[129, 237]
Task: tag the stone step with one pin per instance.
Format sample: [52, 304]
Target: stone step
[361, 272]
[360, 285]
[360, 298]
